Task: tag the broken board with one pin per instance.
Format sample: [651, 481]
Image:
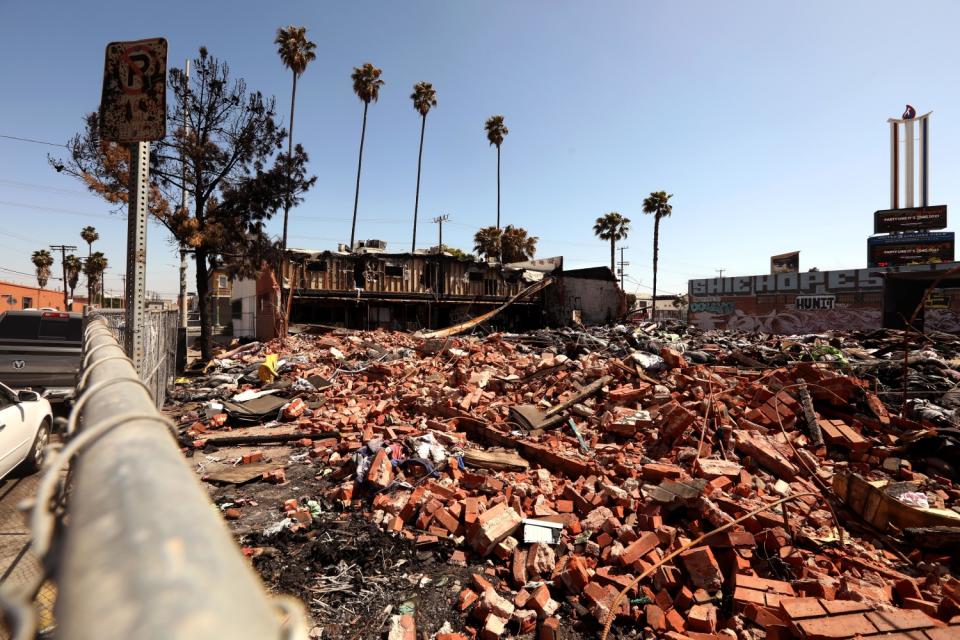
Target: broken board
[241, 473]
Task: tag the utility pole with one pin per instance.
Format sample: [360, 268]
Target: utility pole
[439, 220]
[720, 271]
[182, 298]
[63, 248]
[622, 265]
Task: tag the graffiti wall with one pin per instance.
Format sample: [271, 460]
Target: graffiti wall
[810, 302]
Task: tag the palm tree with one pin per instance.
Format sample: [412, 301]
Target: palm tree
[657, 204]
[517, 246]
[424, 98]
[486, 242]
[73, 266]
[612, 227]
[296, 52]
[366, 84]
[496, 130]
[42, 260]
[89, 235]
[93, 268]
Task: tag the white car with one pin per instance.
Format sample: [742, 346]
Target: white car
[25, 422]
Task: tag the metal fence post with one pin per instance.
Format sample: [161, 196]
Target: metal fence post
[136, 280]
[145, 555]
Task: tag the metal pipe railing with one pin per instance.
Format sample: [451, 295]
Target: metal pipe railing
[144, 554]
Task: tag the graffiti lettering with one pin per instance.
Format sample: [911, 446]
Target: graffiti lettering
[811, 303]
[723, 308]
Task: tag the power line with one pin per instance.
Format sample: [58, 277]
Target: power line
[29, 275]
[69, 212]
[19, 139]
[38, 187]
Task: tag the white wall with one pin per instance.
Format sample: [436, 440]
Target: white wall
[246, 292]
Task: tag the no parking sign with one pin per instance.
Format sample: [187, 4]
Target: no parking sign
[133, 106]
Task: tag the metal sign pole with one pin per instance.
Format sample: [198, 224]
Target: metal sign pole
[136, 281]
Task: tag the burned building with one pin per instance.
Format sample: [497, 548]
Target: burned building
[371, 288]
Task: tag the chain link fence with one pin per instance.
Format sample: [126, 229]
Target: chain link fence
[159, 344]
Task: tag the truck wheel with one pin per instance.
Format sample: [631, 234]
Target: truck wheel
[34, 460]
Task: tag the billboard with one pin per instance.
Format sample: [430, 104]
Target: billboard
[912, 219]
[910, 248]
[785, 263]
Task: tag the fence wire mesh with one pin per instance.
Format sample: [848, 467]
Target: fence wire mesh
[159, 345]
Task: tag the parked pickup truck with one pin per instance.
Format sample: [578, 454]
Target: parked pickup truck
[40, 350]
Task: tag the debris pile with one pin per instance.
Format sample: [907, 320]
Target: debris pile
[656, 480]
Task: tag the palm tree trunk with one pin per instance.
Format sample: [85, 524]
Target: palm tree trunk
[416, 201]
[286, 203]
[656, 249]
[89, 286]
[498, 186]
[613, 244]
[356, 196]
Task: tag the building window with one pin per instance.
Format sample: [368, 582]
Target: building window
[475, 276]
[236, 309]
[393, 271]
[27, 302]
[222, 282]
[318, 266]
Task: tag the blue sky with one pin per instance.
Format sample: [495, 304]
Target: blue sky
[766, 120]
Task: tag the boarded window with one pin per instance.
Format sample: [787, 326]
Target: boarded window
[475, 276]
[393, 271]
[236, 309]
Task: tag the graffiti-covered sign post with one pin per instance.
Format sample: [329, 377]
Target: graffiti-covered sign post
[133, 111]
[133, 105]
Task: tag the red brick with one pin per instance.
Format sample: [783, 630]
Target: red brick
[493, 627]
[655, 617]
[929, 608]
[702, 568]
[640, 547]
[836, 628]
[492, 526]
[655, 472]
[703, 618]
[381, 471]
[575, 575]
[900, 620]
[907, 588]
[404, 628]
[763, 616]
[836, 607]
[466, 599]
[801, 608]
[541, 602]
[549, 629]
[675, 621]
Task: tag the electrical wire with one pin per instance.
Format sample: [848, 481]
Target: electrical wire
[19, 139]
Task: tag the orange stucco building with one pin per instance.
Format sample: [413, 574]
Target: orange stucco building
[18, 296]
